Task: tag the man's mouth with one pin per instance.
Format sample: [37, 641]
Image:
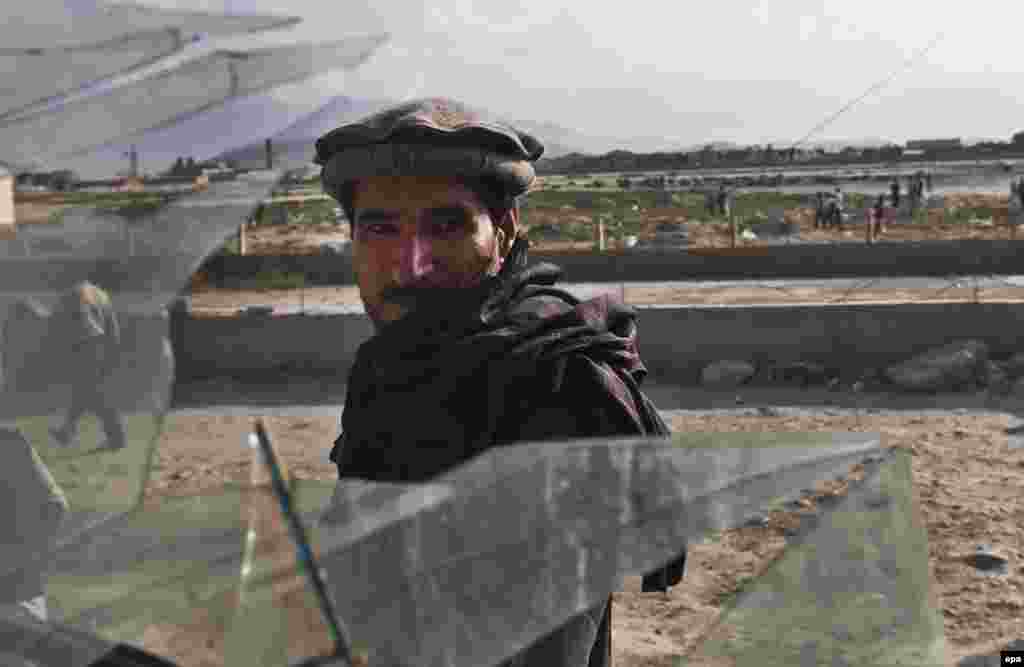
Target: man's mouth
[436, 294]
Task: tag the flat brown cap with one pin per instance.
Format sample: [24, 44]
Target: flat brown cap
[430, 137]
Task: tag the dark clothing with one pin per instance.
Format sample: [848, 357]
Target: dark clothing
[86, 316]
[86, 322]
[89, 394]
[513, 360]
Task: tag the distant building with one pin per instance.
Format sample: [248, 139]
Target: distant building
[129, 184]
[6, 200]
[935, 144]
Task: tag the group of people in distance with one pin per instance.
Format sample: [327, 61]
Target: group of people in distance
[830, 207]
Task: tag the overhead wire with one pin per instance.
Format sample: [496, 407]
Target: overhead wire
[907, 64]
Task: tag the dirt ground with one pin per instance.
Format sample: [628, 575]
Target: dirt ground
[210, 302]
[966, 479]
[292, 239]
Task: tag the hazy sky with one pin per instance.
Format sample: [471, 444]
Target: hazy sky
[735, 70]
[644, 75]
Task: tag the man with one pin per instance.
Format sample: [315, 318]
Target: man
[723, 201]
[85, 325]
[877, 218]
[839, 204]
[711, 202]
[471, 348]
[894, 187]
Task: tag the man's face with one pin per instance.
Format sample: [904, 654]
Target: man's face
[417, 236]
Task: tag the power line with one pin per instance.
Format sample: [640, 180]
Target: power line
[907, 64]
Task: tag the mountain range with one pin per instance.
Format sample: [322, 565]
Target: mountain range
[294, 146]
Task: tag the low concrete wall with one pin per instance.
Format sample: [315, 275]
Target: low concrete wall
[925, 258]
[166, 273]
[258, 345]
[675, 342]
[32, 376]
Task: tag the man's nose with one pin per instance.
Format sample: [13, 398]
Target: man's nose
[415, 258]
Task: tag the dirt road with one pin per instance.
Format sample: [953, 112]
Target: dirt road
[212, 302]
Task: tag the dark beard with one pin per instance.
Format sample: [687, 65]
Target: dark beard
[439, 300]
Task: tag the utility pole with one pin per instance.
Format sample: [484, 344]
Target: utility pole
[133, 156]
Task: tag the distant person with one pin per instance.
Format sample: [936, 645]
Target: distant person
[928, 181]
[710, 202]
[878, 217]
[819, 210]
[895, 190]
[840, 205]
[723, 201]
[34, 507]
[86, 326]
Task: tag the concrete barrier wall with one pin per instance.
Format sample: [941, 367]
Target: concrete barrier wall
[170, 273]
[257, 345]
[32, 376]
[675, 342]
[926, 258]
[166, 273]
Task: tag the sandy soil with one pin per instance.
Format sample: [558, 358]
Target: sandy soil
[292, 239]
[966, 479]
[211, 302]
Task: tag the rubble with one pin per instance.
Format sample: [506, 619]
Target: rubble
[997, 379]
[960, 366]
[950, 367]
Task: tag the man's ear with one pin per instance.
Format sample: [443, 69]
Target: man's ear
[506, 230]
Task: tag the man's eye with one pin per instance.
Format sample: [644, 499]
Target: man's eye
[447, 225]
[380, 229]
